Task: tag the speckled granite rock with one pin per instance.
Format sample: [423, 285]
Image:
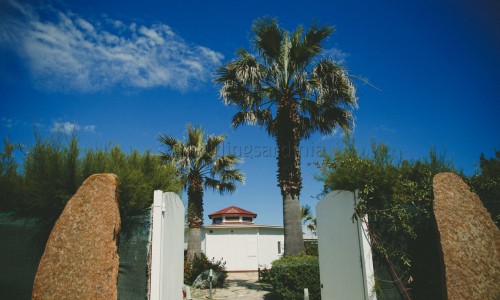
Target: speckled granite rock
[81, 259]
[469, 239]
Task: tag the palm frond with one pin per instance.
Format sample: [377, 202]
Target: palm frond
[329, 119]
[234, 90]
[232, 175]
[258, 117]
[227, 187]
[247, 69]
[333, 84]
[297, 35]
[195, 137]
[306, 47]
[210, 150]
[268, 37]
[219, 186]
[314, 38]
[225, 162]
[213, 143]
[169, 141]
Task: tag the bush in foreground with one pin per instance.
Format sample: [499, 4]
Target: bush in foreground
[199, 264]
[290, 275]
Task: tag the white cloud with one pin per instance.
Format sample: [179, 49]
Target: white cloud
[8, 122]
[65, 127]
[69, 128]
[85, 25]
[118, 24]
[69, 52]
[89, 128]
[337, 55]
[384, 129]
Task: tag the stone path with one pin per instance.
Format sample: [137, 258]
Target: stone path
[243, 286]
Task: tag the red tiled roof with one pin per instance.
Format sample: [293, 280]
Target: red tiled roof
[233, 210]
[234, 223]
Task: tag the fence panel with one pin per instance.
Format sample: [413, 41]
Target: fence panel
[167, 247]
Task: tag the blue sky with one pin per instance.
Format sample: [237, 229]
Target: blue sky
[123, 72]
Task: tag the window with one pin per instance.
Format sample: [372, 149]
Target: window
[232, 219]
[217, 220]
[279, 247]
[247, 219]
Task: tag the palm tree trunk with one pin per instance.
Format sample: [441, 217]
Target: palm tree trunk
[195, 217]
[194, 243]
[289, 176]
[294, 241]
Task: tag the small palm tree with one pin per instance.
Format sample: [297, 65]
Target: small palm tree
[313, 225]
[305, 214]
[200, 167]
[289, 88]
[308, 219]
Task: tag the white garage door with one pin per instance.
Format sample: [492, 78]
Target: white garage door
[237, 247]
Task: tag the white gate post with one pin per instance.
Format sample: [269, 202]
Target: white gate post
[167, 247]
[173, 247]
[345, 260]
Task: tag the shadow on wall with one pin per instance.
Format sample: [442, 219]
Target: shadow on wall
[133, 252]
[20, 253]
[21, 250]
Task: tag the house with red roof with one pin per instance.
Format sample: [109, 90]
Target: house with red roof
[244, 245]
[232, 215]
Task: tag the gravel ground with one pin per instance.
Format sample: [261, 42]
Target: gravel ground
[242, 286]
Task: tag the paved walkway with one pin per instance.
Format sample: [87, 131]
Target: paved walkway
[242, 286]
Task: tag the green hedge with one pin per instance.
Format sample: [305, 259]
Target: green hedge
[290, 275]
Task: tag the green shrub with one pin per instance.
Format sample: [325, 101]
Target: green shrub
[290, 275]
[201, 263]
[311, 248]
[264, 274]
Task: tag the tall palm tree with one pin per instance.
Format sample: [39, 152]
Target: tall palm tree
[289, 88]
[200, 167]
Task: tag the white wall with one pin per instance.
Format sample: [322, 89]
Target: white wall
[346, 268]
[268, 245]
[243, 249]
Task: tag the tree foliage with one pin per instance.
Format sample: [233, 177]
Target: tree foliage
[11, 182]
[397, 197]
[54, 167]
[487, 184]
